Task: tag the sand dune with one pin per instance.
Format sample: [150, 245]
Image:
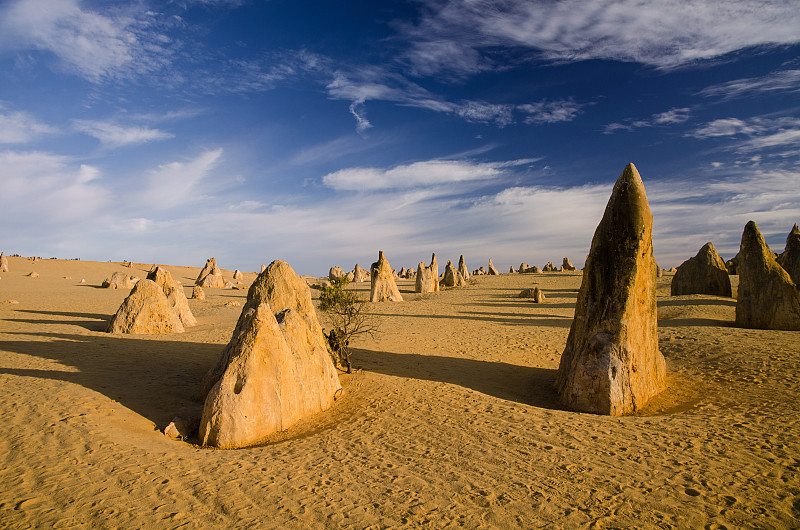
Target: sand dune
[452, 422]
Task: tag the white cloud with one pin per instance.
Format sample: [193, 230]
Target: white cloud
[419, 174]
[674, 115]
[753, 134]
[551, 111]
[454, 37]
[113, 135]
[376, 84]
[40, 186]
[96, 45]
[670, 117]
[20, 127]
[724, 127]
[178, 183]
[780, 81]
[482, 112]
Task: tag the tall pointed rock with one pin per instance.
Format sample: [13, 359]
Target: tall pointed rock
[462, 268]
[767, 296]
[790, 259]
[383, 287]
[611, 363]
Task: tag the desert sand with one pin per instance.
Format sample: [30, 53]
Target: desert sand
[453, 420]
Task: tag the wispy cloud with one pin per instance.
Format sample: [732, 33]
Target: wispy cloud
[37, 185]
[551, 111]
[18, 127]
[455, 38]
[96, 45]
[780, 81]
[112, 135]
[376, 84]
[754, 134]
[178, 183]
[670, 117]
[419, 174]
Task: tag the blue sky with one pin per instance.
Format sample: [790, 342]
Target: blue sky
[321, 132]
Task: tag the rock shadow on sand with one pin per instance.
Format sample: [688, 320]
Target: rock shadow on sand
[95, 322]
[155, 378]
[521, 384]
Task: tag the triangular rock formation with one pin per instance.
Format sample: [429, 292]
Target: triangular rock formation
[145, 310]
[492, 270]
[566, 265]
[703, 274]
[462, 268]
[767, 297]
[197, 293]
[790, 259]
[175, 295]
[611, 363]
[275, 370]
[360, 275]
[452, 278]
[211, 276]
[383, 286]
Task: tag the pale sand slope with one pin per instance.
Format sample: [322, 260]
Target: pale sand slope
[452, 423]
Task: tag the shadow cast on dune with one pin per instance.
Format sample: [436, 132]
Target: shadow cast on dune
[156, 378]
[512, 320]
[522, 384]
[730, 302]
[95, 322]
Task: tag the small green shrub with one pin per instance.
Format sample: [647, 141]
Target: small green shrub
[349, 317]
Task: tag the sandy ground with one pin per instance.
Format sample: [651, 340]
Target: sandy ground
[452, 422]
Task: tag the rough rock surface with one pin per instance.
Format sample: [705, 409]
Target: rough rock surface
[533, 292]
[211, 276]
[237, 275]
[3, 263]
[383, 286]
[523, 267]
[535, 269]
[462, 268]
[566, 265]
[145, 310]
[275, 370]
[197, 293]
[181, 428]
[119, 280]
[767, 296]
[33, 274]
[703, 274]
[611, 363]
[360, 275]
[427, 277]
[549, 267]
[492, 270]
[790, 258]
[452, 278]
[175, 296]
[335, 273]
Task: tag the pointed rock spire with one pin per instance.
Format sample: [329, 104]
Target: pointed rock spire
[611, 363]
[767, 297]
[383, 286]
